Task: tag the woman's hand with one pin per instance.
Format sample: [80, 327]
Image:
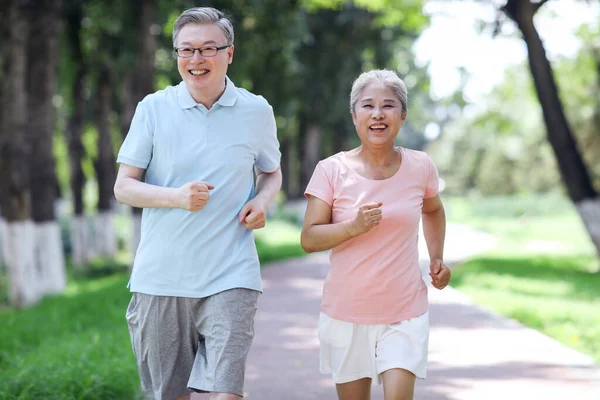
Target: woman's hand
[440, 274]
[366, 218]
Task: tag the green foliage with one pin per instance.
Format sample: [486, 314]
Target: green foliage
[63, 168]
[278, 240]
[578, 81]
[499, 145]
[407, 13]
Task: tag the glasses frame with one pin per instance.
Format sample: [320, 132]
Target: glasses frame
[199, 50]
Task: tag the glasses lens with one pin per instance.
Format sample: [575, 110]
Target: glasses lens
[185, 52]
[209, 51]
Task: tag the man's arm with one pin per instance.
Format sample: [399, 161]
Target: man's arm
[268, 184]
[129, 189]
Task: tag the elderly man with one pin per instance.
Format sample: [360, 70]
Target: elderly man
[211, 157]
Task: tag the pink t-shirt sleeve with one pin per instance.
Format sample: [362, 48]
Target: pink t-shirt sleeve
[433, 180]
[320, 185]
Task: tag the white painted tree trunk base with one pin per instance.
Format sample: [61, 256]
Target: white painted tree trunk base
[82, 251]
[589, 210]
[105, 235]
[18, 243]
[136, 233]
[3, 281]
[50, 259]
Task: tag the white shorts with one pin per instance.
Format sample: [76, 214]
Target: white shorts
[354, 351]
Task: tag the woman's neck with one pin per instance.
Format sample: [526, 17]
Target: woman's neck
[379, 157]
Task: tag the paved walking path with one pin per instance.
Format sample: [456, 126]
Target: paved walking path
[474, 355]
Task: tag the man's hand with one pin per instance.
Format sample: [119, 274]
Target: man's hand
[193, 196]
[253, 214]
[440, 274]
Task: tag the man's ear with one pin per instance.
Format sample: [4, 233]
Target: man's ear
[230, 51]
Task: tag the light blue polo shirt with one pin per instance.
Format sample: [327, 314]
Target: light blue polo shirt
[176, 140]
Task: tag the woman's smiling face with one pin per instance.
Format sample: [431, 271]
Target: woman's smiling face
[378, 115]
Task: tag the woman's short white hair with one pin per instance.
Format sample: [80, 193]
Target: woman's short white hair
[385, 76]
[203, 15]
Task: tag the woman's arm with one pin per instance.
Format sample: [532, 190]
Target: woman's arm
[319, 234]
[434, 230]
[434, 227]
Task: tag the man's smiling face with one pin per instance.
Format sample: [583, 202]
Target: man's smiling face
[203, 74]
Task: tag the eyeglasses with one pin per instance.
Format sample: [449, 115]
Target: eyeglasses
[188, 52]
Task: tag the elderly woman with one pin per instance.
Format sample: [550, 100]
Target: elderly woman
[366, 205]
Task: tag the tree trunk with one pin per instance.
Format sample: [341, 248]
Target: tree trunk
[15, 154]
[312, 152]
[3, 284]
[570, 161]
[144, 71]
[80, 232]
[4, 32]
[143, 85]
[127, 102]
[340, 138]
[129, 99]
[286, 167]
[2, 260]
[45, 24]
[474, 168]
[105, 238]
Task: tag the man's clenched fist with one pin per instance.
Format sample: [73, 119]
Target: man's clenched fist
[193, 196]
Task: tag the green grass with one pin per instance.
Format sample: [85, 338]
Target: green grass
[543, 271]
[73, 346]
[556, 295]
[76, 346]
[278, 240]
[528, 225]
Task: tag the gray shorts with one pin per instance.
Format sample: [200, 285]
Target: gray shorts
[184, 344]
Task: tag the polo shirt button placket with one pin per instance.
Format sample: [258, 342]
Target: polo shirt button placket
[207, 125]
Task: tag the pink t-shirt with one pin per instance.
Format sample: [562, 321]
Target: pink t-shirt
[375, 277]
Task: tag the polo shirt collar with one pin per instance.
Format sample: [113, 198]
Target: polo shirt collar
[184, 98]
[227, 99]
[229, 96]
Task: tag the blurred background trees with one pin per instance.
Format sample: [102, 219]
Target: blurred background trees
[74, 70]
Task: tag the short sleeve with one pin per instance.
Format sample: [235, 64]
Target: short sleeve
[137, 147]
[269, 155]
[320, 185]
[433, 180]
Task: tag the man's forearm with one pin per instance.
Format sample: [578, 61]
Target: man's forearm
[139, 194]
[268, 185]
[434, 230]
